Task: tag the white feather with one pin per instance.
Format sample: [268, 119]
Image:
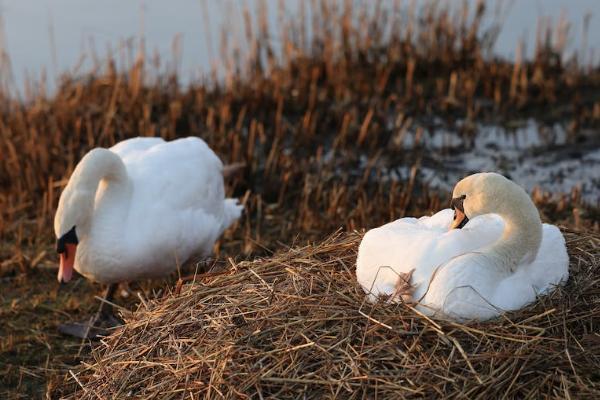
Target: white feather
[171, 206]
[450, 277]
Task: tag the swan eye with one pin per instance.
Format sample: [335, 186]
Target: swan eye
[69, 237]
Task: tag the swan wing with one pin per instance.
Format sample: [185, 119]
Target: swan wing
[178, 204]
[549, 269]
[420, 245]
[472, 288]
[131, 147]
[184, 173]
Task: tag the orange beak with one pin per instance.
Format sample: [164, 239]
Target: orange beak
[460, 219]
[67, 261]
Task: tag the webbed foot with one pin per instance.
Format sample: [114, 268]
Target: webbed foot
[98, 326]
[92, 329]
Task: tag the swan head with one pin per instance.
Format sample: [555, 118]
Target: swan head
[69, 221]
[486, 193]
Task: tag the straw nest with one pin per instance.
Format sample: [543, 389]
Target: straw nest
[296, 325]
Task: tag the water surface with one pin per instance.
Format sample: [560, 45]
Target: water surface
[61, 35]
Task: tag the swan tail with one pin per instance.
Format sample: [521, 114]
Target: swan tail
[232, 210]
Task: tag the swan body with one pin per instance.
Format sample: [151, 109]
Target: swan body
[500, 260]
[140, 208]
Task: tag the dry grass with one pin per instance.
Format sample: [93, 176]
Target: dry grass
[312, 123]
[297, 323]
[303, 122]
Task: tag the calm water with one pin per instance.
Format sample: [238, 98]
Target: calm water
[530, 154]
[59, 35]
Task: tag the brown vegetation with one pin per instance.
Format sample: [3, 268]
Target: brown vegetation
[310, 121]
[297, 323]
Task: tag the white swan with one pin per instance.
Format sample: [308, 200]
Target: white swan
[500, 260]
[140, 208]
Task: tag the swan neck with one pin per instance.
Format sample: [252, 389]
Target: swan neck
[101, 164]
[521, 237]
[99, 168]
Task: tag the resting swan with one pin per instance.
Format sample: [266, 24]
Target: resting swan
[139, 209]
[501, 259]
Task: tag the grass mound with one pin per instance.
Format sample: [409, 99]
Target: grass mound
[336, 111]
[297, 323]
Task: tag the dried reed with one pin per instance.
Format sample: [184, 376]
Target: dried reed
[343, 90]
[312, 119]
[296, 324]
